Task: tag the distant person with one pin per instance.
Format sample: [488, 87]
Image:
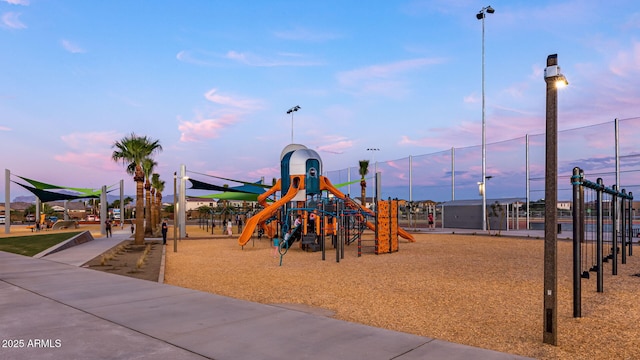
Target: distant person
[107, 226]
[239, 226]
[287, 236]
[132, 227]
[430, 219]
[229, 227]
[276, 245]
[298, 221]
[165, 228]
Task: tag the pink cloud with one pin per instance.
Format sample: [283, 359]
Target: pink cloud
[17, 2]
[243, 104]
[383, 79]
[337, 146]
[89, 160]
[193, 131]
[12, 20]
[91, 140]
[71, 47]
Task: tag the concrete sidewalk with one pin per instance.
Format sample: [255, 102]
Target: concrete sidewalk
[53, 310]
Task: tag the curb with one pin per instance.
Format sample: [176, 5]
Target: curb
[161, 274]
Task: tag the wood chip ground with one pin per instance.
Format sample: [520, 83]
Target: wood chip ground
[483, 291]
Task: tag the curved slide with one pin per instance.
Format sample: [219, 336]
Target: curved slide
[264, 214]
[326, 185]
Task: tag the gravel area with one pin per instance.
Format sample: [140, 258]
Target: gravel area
[475, 290]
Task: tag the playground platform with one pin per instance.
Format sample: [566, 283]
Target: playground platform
[54, 309]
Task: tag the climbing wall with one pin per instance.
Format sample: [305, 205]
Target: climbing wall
[383, 239]
[387, 218]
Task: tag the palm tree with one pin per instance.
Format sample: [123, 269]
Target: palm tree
[132, 150]
[158, 185]
[363, 171]
[147, 167]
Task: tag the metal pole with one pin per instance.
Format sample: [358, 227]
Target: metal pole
[550, 335]
[121, 204]
[182, 207]
[527, 178]
[7, 202]
[630, 224]
[623, 226]
[599, 242]
[576, 182]
[484, 144]
[103, 210]
[453, 173]
[175, 213]
[614, 230]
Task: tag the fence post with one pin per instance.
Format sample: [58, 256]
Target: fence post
[630, 223]
[599, 242]
[614, 230]
[576, 182]
[623, 226]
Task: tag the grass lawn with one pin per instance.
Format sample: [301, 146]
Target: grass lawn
[33, 244]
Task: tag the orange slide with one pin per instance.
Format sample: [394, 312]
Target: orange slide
[265, 213]
[325, 184]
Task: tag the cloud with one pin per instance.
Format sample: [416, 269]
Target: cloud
[90, 150]
[71, 47]
[90, 141]
[246, 58]
[280, 59]
[92, 160]
[627, 62]
[385, 79]
[190, 58]
[12, 21]
[471, 99]
[243, 104]
[17, 2]
[303, 34]
[337, 145]
[4, 128]
[199, 130]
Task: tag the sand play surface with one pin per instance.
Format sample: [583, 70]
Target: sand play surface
[476, 290]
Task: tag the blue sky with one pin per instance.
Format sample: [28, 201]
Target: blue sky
[212, 80]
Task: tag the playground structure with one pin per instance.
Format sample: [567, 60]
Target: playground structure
[602, 220]
[301, 194]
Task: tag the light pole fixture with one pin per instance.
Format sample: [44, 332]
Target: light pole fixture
[553, 77]
[291, 111]
[480, 16]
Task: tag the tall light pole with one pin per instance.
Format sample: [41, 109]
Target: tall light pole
[175, 213]
[291, 111]
[480, 16]
[554, 79]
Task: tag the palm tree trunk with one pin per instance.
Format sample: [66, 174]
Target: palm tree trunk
[158, 207]
[139, 235]
[152, 210]
[147, 226]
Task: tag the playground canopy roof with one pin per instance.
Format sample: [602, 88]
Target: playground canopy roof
[39, 189]
[255, 188]
[47, 196]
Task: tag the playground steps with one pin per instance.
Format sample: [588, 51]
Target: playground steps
[309, 243]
